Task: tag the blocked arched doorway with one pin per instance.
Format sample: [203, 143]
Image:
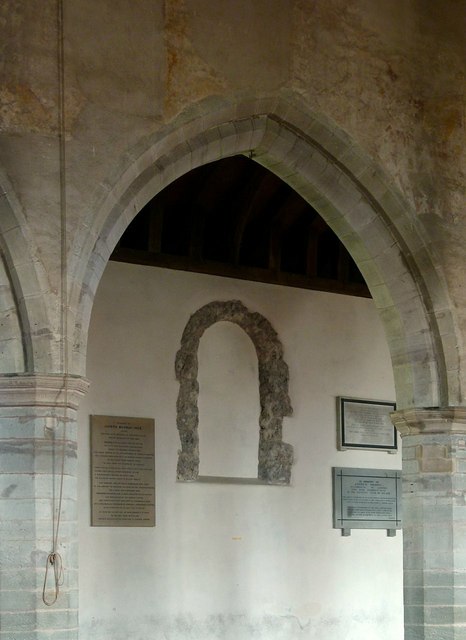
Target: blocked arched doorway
[275, 457]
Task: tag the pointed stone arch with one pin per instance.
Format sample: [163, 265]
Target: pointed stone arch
[344, 185]
[275, 457]
[12, 352]
[26, 337]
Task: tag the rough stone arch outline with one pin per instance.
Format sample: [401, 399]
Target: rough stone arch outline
[275, 457]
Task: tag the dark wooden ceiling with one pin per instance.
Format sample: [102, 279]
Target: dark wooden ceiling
[235, 218]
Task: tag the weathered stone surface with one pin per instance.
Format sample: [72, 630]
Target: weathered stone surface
[275, 456]
[187, 73]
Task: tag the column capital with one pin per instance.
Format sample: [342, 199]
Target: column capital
[42, 390]
[418, 421]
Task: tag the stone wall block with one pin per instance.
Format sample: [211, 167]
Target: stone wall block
[19, 486]
[459, 486]
[435, 458]
[461, 465]
[414, 594]
[58, 634]
[246, 136]
[410, 468]
[23, 508]
[442, 614]
[49, 618]
[27, 528]
[34, 456]
[459, 512]
[414, 614]
[460, 579]
[13, 600]
[424, 579]
[459, 555]
[459, 596]
[420, 632]
[21, 579]
[409, 453]
[435, 596]
[32, 553]
[412, 554]
[330, 138]
[16, 624]
[279, 146]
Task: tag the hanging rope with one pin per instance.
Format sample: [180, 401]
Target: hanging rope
[54, 564]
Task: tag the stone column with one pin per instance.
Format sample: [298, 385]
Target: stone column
[434, 522]
[38, 425]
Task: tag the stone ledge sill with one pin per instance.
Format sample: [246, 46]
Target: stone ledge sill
[232, 480]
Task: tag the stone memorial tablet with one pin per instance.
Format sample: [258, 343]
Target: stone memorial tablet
[122, 472]
[366, 424]
[366, 499]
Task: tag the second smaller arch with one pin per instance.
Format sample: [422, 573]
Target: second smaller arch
[275, 457]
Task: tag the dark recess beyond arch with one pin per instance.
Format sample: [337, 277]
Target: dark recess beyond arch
[233, 217]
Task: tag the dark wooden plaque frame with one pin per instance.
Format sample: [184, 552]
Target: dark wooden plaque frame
[373, 430]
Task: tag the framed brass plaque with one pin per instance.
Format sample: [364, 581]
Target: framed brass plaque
[122, 472]
[366, 424]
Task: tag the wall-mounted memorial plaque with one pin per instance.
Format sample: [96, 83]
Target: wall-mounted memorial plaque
[122, 472]
[366, 499]
[366, 424]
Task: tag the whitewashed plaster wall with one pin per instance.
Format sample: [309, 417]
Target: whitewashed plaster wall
[235, 561]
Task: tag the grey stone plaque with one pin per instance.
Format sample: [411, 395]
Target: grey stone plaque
[122, 472]
[366, 499]
[366, 424]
